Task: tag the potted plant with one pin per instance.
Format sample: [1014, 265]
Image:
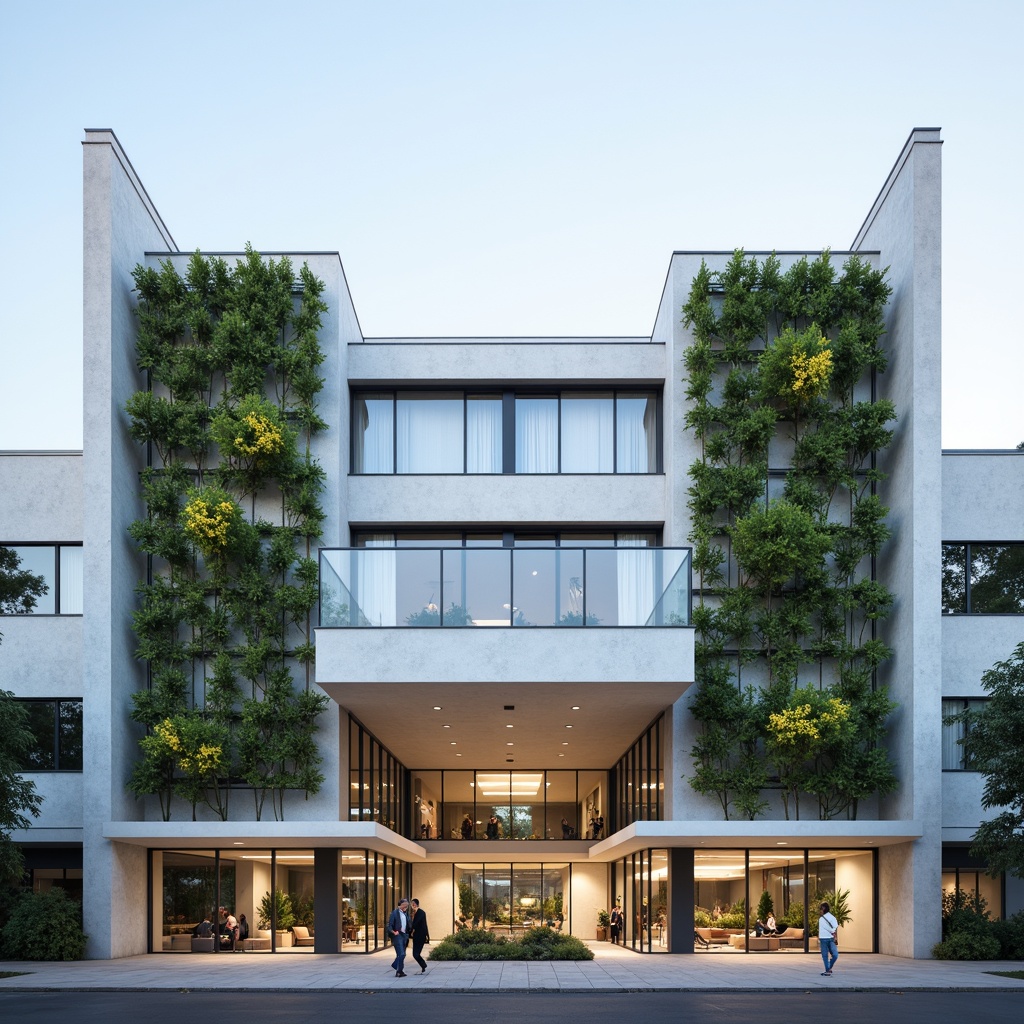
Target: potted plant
[276, 908]
[603, 920]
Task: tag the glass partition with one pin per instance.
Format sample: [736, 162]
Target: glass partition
[519, 586]
[511, 898]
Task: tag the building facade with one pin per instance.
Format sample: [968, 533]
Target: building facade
[507, 776]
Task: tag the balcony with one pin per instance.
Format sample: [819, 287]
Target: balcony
[457, 587]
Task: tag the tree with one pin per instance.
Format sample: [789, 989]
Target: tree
[994, 738]
[19, 588]
[17, 797]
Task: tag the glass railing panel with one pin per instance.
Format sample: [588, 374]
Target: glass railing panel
[637, 587]
[424, 587]
[477, 587]
[547, 586]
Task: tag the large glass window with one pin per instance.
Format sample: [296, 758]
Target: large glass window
[563, 431]
[60, 566]
[56, 728]
[983, 578]
[639, 783]
[429, 433]
[377, 782]
[733, 888]
[511, 898]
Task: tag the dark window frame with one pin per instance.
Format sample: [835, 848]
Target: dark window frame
[56, 735]
[965, 599]
[508, 399]
[54, 579]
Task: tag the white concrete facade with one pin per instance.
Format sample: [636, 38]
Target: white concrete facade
[390, 676]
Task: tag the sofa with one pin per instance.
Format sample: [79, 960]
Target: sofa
[755, 943]
[717, 936]
[302, 936]
[792, 938]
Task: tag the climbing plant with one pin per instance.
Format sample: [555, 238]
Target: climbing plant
[231, 490]
[786, 525]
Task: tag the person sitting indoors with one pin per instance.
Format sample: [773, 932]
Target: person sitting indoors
[769, 926]
[204, 929]
[759, 927]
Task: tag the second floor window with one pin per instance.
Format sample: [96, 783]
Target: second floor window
[56, 727]
[464, 432]
[982, 578]
[60, 566]
[956, 755]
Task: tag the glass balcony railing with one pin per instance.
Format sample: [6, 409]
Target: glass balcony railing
[425, 587]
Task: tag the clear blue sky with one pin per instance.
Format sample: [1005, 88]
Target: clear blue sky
[490, 168]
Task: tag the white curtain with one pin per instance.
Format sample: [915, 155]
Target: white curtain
[71, 581]
[635, 579]
[373, 435]
[483, 435]
[952, 752]
[429, 435]
[536, 435]
[636, 429]
[376, 586]
[587, 433]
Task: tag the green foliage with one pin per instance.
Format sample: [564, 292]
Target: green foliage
[994, 736]
[780, 360]
[838, 901]
[967, 946]
[224, 621]
[275, 908]
[19, 588]
[603, 919]
[536, 944]
[794, 916]
[765, 906]
[18, 797]
[1010, 934]
[44, 925]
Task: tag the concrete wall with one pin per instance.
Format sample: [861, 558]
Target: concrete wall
[904, 226]
[120, 225]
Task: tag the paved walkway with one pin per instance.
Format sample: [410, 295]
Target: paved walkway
[612, 970]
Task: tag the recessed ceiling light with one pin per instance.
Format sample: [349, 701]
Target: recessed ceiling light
[437, 707]
[445, 726]
[457, 754]
[568, 727]
[782, 844]
[509, 726]
[561, 755]
[575, 707]
[453, 743]
[509, 744]
[565, 743]
[239, 844]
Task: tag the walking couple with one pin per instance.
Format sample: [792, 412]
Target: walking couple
[408, 923]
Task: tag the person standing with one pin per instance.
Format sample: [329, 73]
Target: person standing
[493, 828]
[616, 923]
[398, 928]
[467, 827]
[828, 928]
[419, 933]
[232, 930]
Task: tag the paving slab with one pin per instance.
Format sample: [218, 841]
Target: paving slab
[612, 970]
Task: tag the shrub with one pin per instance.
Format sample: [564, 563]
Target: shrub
[537, 944]
[1010, 934]
[967, 946]
[44, 926]
[794, 916]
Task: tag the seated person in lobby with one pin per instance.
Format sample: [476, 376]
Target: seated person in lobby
[759, 927]
[770, 927]
[204, 929]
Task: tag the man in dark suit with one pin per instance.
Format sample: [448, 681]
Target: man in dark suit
[420, 934]
[398, 929]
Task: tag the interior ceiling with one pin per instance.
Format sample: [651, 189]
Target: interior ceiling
[473, 721]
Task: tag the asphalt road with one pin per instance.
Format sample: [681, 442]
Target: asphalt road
[489, 1007]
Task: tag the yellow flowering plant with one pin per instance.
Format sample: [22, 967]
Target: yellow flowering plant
[796, 367]
[795, 736]
[209, 519]
[254, 442]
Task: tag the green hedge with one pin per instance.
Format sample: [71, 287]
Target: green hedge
[44, 926]
[537, 944]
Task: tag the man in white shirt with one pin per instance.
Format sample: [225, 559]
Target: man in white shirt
[828, 926]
